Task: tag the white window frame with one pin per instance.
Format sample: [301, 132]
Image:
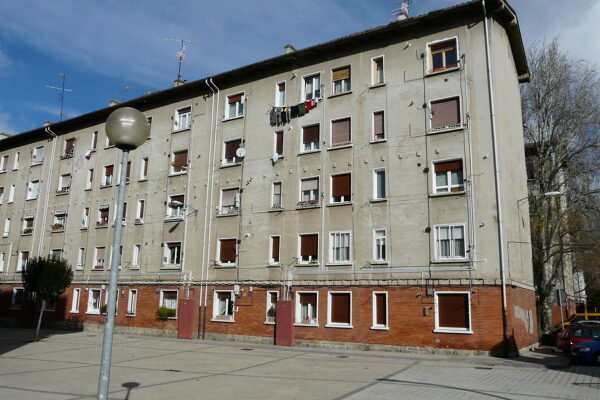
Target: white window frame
[269, 305]
[374, 77]
[175, 213]
[224, 317]
[331, 249]
[81, 253]
[167, 255]
[436, 244]
[450, 186]
[376, 194]
[437, 314]
[298, 308]
[75, 301]
[16, 160]
[131, 302]
[377, 260]
[239, 106]
[105, 180]
[6, 230]
[37, 155]
[57, 250]
[280, 205]
[343, 199]
[94, 141]
[127, 178]
[2, 261]
[374, 324]
[280, 102]
[314, 90]
[162, 298]
[144, 166]
[136, 256]
[95, 266]
[31, 185]
[275, 153]
[232, 160]
[317, 194]
[24, 225]
[346, 84]
[373, 138]
[184, 170]
[4, 162]
[182, 121]
[271, 260]
[448, 128]
[313, 146]
[342, 144]
[89, 179]
[299, 246]
[99, 221]
[429, 64]
[90, 303]
[218, 257]
[1, 194]
[11, 193]
[85, 218]
[331, 324]
[13, 298]
[62, 189]
[139, 218]
[231, 210]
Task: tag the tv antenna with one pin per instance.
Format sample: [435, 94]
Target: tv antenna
[180, 55]
[61, 96]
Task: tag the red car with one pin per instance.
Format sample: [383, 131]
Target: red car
[577, 333]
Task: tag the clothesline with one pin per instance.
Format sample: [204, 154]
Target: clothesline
[282, 115]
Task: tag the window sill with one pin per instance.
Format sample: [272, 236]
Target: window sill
[340, 204]
[143, 179]
[306, 325]
[378, 200]
[225, 266]
[26, 234]
[230, 165]
[175, 267]
[62, 193]
[276, 209]
[273, 265]
[269, 323]
[33, 198]
[451, 261]
[380, 328]
[130, 315]
[344, 326]
[57, 230]
[139, 222]
[223, 215]
[307, 264]
[377, 85]
[377, 141]
[176, 174]
[308, 207]
[105, 186]
[340, 264]
[100, 269]
[233, 118]
[93, 312]
[173, 219]
[442, 70]
[101, 226]
[83, 228]
[87, 189]
[339, 94]
[222, 320]
[309, 152]
[74, 312]
[459, 127]
[382, 263]
[180, 130]
[445, 194]
[36, 163]
[342, 146]
[450, 330]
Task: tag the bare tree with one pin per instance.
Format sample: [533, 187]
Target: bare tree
[561, 114]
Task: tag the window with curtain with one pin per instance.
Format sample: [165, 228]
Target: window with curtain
[448, 176]
[69, 148]
[306, 306]
[169, 299]
[379, 245]
[309, 192]
[309, 248]
[235, 105]
[339, 247]
[277, 204]
[176, 206]
[341, 80]
[340, 309]
[274, 245]
[379, 190]
[99, 258]
[341, 188]
[280, 95]
[377, 68]
[312, 87]
[173, 253]
[229, 200]
[310, 138]
[227, 251]
[340, 132]
[183, 118]
[378, 126]
[223, 305]
[445, 114]
[443, 55]
[453, 311]
[229, 152]
[450, 241]
[107, 177]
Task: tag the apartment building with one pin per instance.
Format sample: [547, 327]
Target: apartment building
[369, 183]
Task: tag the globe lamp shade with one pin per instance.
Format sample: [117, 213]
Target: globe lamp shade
[127, 128]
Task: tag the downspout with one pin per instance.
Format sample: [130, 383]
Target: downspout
[48, 184]
[497, 183]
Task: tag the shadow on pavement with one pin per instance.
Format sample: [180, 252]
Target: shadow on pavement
[13, 338]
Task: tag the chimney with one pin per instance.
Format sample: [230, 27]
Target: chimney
[48, 123]
[289, 48]
[113, 103]
[179, 82]
[402, 12]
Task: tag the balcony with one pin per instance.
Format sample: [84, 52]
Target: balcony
[67, 155]
[102, 223]
[63, 190]
[229, 210]
[58, 226]
[308, 204]
[27, 231]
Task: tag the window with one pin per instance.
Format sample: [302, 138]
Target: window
[75, 300]
[124, 214]
[93, 306]
[235, 105]
[377, 70]
[139, 213]
[99, 254]
[341, 80]
[448, 176]
[312, 87]
[56, 254]
[378, 126]
[310, 138]
[176, 207]
[1, 194]
[274, 244]
[179, 162]
[127, 173]
[81, 258]
[340, 188]
[16, 161]
[85, 218]
[172, 255]
[379, 189]
[445, 114]
[2, 261]
[107, 175]
[103, 213]
[18, 296]
[442, 55]
[27, 226]
[64, 184]
[450, 242]
[280, 94]
[11, 193]
[276, 203]
[136, 256]
[32, 190]
[144, 169]
[168, 299]
[223, 305]
[60, 220]
[90, 178]
[227, 252]
[379, 245]
[380, 310]
[94, 144]
[131, 302]
[23, 259]
[183, 118]
[309, 192]
[309, 248]
[453, 312]
[4, 163]
[230, 200]
[339, 247]
[306, 308]
[272, 297]
[229, 152]
[108, 142]
[37, 155]
[69, 148]
[340, 132]
[339, 309]
[6, 227]
[279, 143]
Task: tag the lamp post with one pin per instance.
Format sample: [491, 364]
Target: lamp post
[127, 128]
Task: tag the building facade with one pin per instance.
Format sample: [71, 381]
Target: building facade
[371, 182]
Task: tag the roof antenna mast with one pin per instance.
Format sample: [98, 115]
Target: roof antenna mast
[179, 56]
[402, 12]
[61, 96]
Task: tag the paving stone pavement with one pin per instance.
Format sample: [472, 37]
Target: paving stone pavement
[64, 365]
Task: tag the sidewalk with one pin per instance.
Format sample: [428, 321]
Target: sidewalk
[64, 365]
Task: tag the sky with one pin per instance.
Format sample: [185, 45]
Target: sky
[117, 49]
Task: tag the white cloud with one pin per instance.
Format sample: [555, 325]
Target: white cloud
[5, 123]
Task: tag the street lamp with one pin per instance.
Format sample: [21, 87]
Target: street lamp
[127, 128]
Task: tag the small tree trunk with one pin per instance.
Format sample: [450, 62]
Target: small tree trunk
[37, 330]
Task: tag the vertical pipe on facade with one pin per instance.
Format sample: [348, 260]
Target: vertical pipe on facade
[240, 195]
[496, 180]
[425, 66]
[187, 201]
[48, 183]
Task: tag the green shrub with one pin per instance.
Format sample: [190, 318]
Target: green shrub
[103, 308]
[165, 313]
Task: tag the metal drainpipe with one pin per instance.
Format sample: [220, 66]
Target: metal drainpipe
[48, 185]
[496, 182]
[187, 201]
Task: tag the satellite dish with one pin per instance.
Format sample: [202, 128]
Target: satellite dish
[275, 158]
[241, 152]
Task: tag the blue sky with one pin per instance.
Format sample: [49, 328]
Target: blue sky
[116, 49]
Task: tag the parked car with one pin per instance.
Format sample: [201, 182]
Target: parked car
[587, 351]
[577, 333]
[582, 317]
